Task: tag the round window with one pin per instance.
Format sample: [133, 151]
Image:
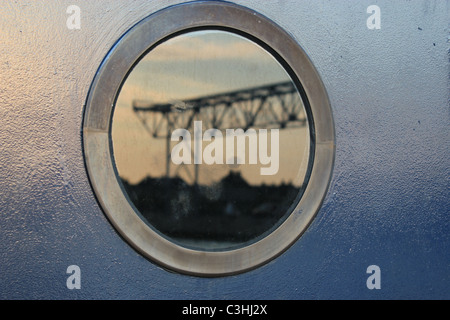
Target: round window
[209, 139]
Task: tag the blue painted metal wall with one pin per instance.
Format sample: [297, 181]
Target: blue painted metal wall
[388, 203]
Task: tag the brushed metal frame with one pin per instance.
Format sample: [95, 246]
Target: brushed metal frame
[98, 150]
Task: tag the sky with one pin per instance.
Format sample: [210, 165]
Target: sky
[189, 66]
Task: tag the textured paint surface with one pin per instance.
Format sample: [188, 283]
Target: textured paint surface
[388, 202]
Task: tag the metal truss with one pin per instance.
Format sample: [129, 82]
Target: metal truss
[275, 106]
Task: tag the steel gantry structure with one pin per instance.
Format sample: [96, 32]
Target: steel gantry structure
[276, 105]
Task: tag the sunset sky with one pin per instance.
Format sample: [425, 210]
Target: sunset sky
[190, 66]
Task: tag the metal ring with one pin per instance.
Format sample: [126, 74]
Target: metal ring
[98, 150]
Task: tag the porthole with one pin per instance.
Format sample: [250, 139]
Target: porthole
[208, 138]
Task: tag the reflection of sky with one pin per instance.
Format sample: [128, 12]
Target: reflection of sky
[190, 66]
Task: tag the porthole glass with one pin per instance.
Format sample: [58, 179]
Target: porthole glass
[208, 138]
[211, 140]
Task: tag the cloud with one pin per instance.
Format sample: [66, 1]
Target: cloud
[199, 64]
[217, 45]
[162, 87]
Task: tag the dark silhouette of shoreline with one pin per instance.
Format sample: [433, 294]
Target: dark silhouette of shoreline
[230, 211]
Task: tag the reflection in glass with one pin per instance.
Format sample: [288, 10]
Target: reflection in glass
[178, 144]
